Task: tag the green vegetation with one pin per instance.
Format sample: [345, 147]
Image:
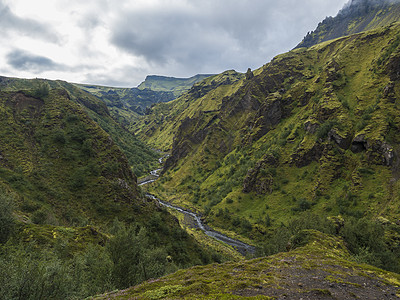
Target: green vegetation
[7, 223]
[364, 238]
[140, 157]
[63, 180]
[300, 155]
[127, 257]
[160, 125]
[319, 267]
[313, 132]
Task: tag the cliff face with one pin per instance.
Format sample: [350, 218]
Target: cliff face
[314, 130]
[162, 122]
[355, 17]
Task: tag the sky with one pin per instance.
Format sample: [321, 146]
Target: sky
[119, 43]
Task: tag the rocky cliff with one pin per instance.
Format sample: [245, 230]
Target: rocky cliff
[355, 17]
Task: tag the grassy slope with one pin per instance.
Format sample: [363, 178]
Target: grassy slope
[342, 85]
[69, 178]
[55, 157]
[140, 157]
[159, 127]
[320, 269]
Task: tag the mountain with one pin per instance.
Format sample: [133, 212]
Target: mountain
[73, 221]
[126, 105]
[313, 131]
[171, 84]
[162, 121]
[53, 153]
[139, 156]
[320, 268]
[355, 17]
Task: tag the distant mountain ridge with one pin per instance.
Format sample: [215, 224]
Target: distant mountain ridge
[356, 16]
[127, 104]
[171, 84]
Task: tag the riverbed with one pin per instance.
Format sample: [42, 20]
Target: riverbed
[240, 246]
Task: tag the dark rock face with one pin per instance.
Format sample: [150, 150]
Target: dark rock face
[342, 142]
[380, 153]
[387, 153]
[377, 151]
[359, 144]
[356, 16]
[393, 67]
[304, 156]
[269, 115]
[311, 127]
[249, 74]
[260, 179]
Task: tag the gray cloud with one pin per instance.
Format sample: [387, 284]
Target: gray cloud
[211, 35]
[11, 23]
[126, 75]
[111, 44]
[25, 61]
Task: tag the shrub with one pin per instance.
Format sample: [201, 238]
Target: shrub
[323, 130]
[302, 205]
[41, 91]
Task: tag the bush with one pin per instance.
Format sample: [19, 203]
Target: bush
[40, 216]
[323, 130]
[134, 260]
[41, 91]
[279, 240]
[366, 240]
[302, 205]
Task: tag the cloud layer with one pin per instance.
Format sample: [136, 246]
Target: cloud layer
[119, 43]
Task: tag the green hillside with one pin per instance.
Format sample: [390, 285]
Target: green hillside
[73, 221]
[139, 156]
[313, 131]
[160, 125]
[355, 17]
[298, 158]
[321, 268]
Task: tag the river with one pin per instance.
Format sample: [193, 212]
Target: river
[241, 247]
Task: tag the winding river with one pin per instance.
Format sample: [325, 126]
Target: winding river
[241, 247]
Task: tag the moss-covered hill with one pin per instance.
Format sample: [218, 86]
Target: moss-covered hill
[320, 268]
[140, 157]
[59, 162]
[161, 124]
[73, 221]
[315, 130]
[355, 17]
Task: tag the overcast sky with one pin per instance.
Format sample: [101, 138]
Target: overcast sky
[118, 43]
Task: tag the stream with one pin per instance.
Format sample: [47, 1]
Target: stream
[241, 247]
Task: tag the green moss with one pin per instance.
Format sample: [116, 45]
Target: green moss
[163, 292]
[280, 275]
